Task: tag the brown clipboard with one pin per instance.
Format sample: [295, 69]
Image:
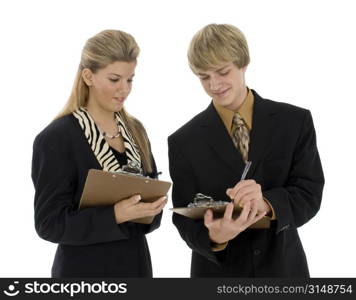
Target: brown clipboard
[104, 188]
[198, 213]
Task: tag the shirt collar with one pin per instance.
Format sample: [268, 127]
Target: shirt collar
[245, 110]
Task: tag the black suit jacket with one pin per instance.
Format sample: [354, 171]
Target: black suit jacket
[285, 162]
[91, 244]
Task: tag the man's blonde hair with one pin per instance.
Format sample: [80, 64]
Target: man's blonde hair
[215, 44]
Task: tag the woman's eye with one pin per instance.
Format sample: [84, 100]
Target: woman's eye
[130, 80]
[224, 73]
[114, 79]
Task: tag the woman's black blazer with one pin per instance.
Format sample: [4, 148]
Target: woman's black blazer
[90, 243]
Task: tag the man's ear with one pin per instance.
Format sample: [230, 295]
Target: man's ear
[87, 76]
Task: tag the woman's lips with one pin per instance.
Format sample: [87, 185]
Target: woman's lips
[119, 99]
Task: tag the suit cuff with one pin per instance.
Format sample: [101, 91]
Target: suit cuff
[215, 247]
[272, 214]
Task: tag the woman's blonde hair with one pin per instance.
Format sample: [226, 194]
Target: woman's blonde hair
[99, 51]
[215, 44]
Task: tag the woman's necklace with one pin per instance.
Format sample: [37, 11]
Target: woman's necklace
[106, 135]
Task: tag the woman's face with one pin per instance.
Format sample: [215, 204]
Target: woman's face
[110, 86]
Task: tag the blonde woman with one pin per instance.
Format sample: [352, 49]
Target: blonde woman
[95, 132]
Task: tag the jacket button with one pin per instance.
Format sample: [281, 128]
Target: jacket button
[285, 227]
[257, 252]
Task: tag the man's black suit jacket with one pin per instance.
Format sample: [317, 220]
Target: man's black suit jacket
[90, 243]
[285, 162]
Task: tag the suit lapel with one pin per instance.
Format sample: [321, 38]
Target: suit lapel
[216, 136]
[261, 135]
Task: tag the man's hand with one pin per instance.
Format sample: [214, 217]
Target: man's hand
[247, 191]
[226, 228]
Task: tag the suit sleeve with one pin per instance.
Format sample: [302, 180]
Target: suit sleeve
[57, 218]
[193, 232]
[147, 228]
[299, 200]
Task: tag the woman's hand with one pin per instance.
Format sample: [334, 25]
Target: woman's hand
[132, 208]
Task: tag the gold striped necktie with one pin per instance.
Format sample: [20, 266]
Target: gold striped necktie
[240, 136]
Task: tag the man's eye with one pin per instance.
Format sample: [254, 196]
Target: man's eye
[129, 80]
[114, 79]
[204, 78]
[224, 73]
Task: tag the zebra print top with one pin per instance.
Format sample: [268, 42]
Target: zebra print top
[100, 147]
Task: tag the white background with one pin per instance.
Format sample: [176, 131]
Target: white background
[302, 52]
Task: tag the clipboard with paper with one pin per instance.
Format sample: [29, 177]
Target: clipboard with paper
[104, 188]
[201, 203]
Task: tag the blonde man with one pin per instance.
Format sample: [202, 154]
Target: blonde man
[209, 153]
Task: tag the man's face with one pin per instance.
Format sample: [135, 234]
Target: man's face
[225, 84]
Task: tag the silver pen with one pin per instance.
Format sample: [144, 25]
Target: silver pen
[247, 167]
